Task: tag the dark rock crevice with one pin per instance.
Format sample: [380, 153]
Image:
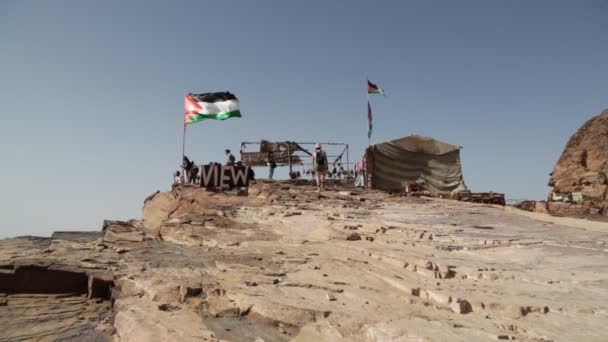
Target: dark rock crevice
[44, 279]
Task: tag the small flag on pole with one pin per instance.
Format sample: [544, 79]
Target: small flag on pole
[374, 89]
[216, 106]
[369, 120]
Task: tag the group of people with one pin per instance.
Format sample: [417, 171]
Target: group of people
[319, 170]
[295, 175]
[337, 173]
[319, 163]
[190, 174]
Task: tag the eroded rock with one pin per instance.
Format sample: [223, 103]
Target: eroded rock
[583, 166]
[228, 268]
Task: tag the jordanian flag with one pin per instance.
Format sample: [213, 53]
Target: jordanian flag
[374, 89]
[217, 106]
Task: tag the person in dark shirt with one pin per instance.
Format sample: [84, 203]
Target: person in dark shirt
[230, 160]
[271, 164]
[187, 166]
[251, 174]
[193, 173]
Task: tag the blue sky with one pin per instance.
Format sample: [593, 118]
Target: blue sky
[91, 93]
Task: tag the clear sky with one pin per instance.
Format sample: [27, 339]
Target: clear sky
[91, 92]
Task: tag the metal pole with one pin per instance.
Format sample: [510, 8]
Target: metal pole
[369, 136]
[184, 143]
[289, 159]
[347, 163]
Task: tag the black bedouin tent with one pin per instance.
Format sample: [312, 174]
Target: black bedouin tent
[433, 164]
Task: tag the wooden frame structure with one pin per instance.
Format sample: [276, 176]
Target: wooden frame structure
[289, 153]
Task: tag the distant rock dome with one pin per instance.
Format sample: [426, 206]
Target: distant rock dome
[583, 166]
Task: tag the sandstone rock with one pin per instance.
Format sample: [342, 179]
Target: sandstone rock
[46, 292]
[572, 209]
[120, 231]
[77, 236]
[583, 166]
[541, 207]
[191, 283]
[100, 285]
[186, 292]
[437, 297]
[168, 307]
[353, 237]
[157, 208]
[527, 205]
[461, 306]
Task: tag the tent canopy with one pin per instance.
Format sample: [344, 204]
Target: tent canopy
[432, 163]
[417, 143]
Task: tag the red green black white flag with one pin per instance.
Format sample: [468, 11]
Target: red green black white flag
[216, 106]
[374, 89]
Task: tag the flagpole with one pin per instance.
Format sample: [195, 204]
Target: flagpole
[369, 136]
[184, 143]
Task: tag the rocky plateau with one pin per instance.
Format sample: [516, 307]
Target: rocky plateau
[285, 263]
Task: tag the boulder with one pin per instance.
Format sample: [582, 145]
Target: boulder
[122, 231]
[572, 209]
[583, 166]
[157, 208]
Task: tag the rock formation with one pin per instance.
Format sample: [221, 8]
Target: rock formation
[583, 166]
[285, 263]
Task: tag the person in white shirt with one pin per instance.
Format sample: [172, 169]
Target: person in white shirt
[319, 162]
[178, 178]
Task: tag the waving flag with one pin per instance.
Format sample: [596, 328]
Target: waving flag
[217, 106]
[374, 89]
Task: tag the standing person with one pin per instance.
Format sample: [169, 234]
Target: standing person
[187, 166]
[319, 162]
[177, 178]
[229, 158]
[193, 173]
[271, 164]
[250, 174]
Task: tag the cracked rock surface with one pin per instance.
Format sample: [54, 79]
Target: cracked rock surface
[288, 264]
